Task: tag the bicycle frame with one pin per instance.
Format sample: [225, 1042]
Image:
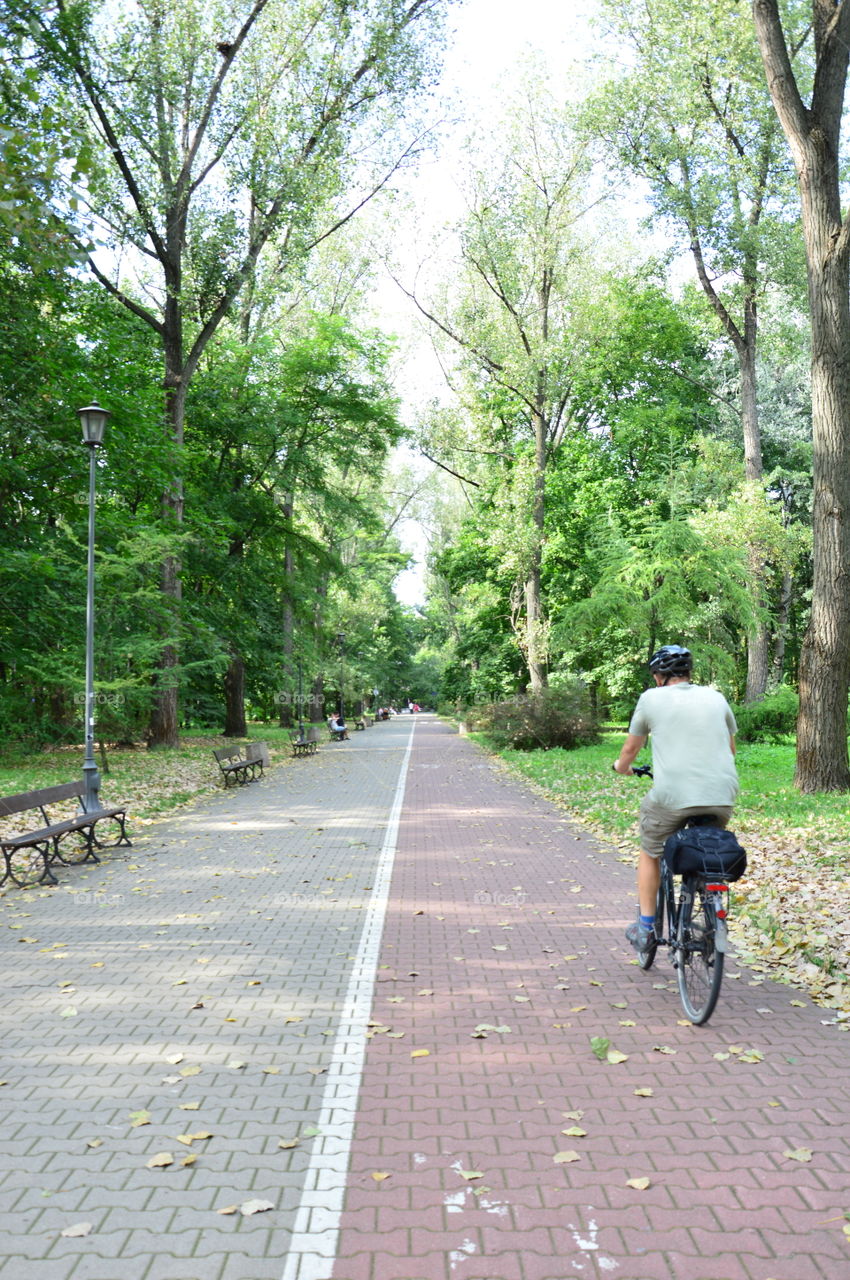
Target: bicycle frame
[696, 939]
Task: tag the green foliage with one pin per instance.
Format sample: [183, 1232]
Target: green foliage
[770, 720]
[555, 717]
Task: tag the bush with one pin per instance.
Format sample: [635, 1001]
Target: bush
[559, 717]
[768, 720]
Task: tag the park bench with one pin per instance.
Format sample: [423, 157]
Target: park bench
[241, 763]
[308, 745]
[33, 850]
[335, 736]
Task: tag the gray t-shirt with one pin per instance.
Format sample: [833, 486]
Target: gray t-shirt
[692, 759]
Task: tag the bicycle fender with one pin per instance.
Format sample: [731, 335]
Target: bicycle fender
[721, 937]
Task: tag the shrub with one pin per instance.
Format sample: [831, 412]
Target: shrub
[768, 720]
[559, 717]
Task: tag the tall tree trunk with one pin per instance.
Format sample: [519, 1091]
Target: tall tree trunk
[813, 135]
[165, 728]
[235, 724]
[535, 637]
[777, 662]
[289, 711]
[758, 640]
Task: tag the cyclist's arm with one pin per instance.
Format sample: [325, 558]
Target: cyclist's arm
[633, 745]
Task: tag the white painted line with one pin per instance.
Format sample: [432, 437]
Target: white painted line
[315, 1232]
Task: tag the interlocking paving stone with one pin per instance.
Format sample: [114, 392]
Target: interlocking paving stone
[492, 868]
[228, 934]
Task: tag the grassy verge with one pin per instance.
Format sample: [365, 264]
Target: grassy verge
[149, 783]
[791, 912]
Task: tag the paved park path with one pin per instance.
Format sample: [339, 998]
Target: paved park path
[362, 992]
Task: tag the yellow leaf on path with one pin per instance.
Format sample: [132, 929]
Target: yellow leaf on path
[381, 1176]
[803, 1154]
[644, 1092]
[138, 1118]
[190, 1071]
[627, 1022]
[94, 1143]
[420, 1053]
[663, 1048]
[572, 1115]
[230, 1208]
[189, 1106]
[470, 1174]
[638, 1184]
[77, 1230]
[188, 1160]
[174, 1059]
[721, 1057]
[566, 1157]
[286, 1144]
[161, 1160]
[614, 1056]
[577, 1008]
[574, 1132]
[271, 1071]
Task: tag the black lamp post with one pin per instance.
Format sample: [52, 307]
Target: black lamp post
[93, 420]
[341, 644]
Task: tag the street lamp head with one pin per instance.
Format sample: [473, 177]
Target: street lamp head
[93, 420]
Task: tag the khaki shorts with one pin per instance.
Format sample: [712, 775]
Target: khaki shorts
[657, 822]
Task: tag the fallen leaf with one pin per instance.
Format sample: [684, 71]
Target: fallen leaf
[70, 1012]
[380, 1176]
[160, 1161]
[638, 1184]
[470, 1174]
[420, 1053]
[663, 1048]
[94, 1143]
[255, 1206]
[138, 1118]
[614, 1056]
[230, 1208]
[566, 1157]
[574, 1132]
[600, 1046]
[188, 1160]
[190, 1071]
[286, 1144]
[803, 1154]
[77, 1230]
[189, 1106]
[644, 1092]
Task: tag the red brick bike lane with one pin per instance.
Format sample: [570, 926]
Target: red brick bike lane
[492, 1144]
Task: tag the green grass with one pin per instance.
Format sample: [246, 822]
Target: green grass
[583, 781]
[150, 782]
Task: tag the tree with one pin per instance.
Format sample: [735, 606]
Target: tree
[525, 278]
[219, 131]
[813, 130]
[701, 131]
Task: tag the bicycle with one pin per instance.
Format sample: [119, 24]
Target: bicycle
[697, 934]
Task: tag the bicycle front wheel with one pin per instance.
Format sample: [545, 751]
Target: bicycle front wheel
[699, 965]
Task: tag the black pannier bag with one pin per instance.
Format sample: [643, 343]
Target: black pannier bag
[712, 852]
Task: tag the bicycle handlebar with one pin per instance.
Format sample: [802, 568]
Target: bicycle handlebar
[642, 771]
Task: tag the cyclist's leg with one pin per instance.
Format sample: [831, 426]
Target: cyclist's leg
[648, 880]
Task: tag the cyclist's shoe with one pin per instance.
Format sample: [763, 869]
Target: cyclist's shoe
[640, 936]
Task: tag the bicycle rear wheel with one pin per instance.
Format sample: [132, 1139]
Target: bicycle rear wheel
[646, 958]
[699, 965]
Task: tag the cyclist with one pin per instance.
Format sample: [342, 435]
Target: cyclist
[693, 764]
